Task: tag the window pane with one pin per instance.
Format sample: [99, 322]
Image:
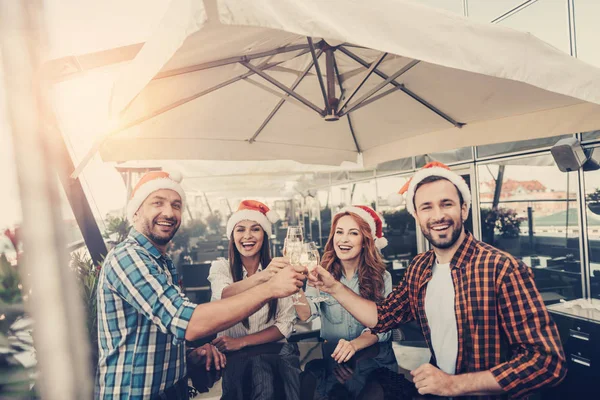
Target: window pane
[513, 147]
[400, 228]
[447, 157]
[586, 29]
[590, 135]
[401, 165]
[536, 221]
[592, 191]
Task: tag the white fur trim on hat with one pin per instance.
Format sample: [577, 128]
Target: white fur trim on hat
[250, 215]
[452, 176]
[147, 189]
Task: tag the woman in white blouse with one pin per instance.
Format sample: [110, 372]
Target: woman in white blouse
[250, 264]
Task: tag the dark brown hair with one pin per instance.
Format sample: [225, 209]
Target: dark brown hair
[435, 178]
[237, 269]
[371, 268]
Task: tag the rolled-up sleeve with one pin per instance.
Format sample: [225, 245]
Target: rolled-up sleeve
[286, 316]
[314, 307]
[538, 358]
[394, 309]
[219, 277]
[137, 278]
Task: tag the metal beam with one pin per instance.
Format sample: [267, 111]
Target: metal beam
[369, 71]
[373, 99]
[350, 126]
[403, 88]
[319, 75]
[230, 60]
[281, 86]
[380, 86]
[280, 103]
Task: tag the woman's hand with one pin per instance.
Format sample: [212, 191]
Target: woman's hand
[227, 343]
[323, 280]
[276, 265]
[343, 351]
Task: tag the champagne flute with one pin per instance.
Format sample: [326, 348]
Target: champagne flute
[313, 259]
[292, 249]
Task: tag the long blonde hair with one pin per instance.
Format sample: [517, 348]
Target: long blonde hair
[371, 268]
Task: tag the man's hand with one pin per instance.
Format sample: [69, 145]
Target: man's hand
[227, 343]
[343, 351]
[276, 265]
[209, 355]
[322, 279]
[285, 283]
[431, 380]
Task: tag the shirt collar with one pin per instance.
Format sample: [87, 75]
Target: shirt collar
[145, 243]
[245, 273]
[464, 252]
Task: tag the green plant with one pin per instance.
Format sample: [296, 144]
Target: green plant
[10, 283]
[87, 275]
[400, 221]
[194, 229]
[503, 220]
[117, 228]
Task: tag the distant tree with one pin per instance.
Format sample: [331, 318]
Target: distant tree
[214, 221]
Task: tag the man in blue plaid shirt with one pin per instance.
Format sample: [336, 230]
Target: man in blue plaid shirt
[144, 318]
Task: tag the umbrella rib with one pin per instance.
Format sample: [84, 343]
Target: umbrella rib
[100, 141]
[227, 61]
[377, 88]
[318, 70]
[370, 70]
[403, 88]
[283, 100]
[281, 86]
[339, 79]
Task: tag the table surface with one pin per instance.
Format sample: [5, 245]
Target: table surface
[305, 370]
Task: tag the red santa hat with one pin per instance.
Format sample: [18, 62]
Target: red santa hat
[372, 218]
[151, 182]
[433, 168]
[252, 210]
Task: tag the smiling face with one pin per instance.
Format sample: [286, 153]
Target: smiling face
[248, 237]
[159, 217]
[439, 212]
[347, 239]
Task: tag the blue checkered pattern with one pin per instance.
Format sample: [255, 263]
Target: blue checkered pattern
[142, 318]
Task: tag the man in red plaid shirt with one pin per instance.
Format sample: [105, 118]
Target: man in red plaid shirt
[479, 309]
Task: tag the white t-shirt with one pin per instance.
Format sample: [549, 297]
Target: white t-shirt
[441, 317]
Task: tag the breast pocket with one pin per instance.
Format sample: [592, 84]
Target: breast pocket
[332, 311]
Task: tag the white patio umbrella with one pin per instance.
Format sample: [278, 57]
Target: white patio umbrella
[237, 80]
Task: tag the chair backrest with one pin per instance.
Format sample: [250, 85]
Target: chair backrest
[195, 275]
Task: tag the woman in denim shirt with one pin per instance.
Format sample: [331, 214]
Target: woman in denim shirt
[352, 256]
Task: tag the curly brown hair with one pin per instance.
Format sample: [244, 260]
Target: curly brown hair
[371, 268]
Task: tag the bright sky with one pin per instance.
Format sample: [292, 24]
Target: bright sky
[77, 26]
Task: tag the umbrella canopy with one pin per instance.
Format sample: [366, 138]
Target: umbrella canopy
[324, 81]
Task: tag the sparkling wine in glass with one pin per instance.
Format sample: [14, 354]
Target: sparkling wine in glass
[311, 254]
